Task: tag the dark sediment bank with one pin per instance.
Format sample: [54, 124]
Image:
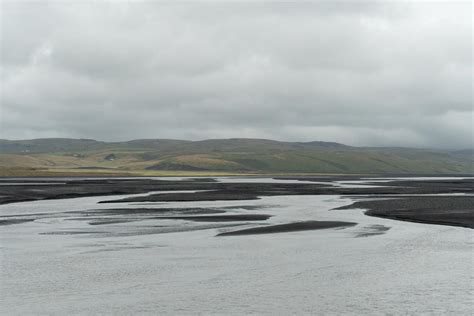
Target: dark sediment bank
[142, 230]
[208, 189]
[4, 222]
[249, 191]
[22, 190]
[112, 219]
[442, 210]
[291, 227]
[219, 195]
[220, 218]
[149, 211]
[453, 210]
[371, 230]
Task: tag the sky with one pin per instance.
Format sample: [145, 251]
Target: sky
[381, 73]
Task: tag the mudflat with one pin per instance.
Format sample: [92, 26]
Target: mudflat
[442, 210]
[394, 198]
[290, 227]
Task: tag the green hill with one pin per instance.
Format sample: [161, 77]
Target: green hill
[228, 155]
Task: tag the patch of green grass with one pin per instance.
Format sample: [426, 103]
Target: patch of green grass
[225, 157]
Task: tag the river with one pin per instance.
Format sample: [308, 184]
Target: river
[60, 264]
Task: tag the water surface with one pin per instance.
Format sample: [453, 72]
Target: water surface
[60, 264]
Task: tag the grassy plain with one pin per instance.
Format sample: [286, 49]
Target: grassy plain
[220, 157]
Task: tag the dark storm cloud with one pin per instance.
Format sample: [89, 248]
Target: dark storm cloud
[362, 73]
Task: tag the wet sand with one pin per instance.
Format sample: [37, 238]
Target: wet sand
[456, 211]
[442, 210]
[291, 227]
[220, 218]
[209, 189]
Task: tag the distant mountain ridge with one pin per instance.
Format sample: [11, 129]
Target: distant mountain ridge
[48, 145]
[233, 155]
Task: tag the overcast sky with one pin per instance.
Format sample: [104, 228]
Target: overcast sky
[361, 73]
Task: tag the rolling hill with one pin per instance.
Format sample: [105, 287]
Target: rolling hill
[228, 155]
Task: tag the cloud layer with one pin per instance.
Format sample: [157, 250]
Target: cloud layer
[361, 73]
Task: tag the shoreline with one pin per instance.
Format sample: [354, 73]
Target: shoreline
[436, 210]
[456, 210]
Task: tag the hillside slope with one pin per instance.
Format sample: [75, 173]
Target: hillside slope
[230, 155]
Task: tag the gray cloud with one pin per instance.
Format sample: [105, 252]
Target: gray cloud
[361, 73]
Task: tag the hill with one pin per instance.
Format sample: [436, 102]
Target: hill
[227, 155]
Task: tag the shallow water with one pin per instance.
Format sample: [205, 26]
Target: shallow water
[59, 265]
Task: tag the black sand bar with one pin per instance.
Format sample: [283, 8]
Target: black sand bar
[291, 227]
